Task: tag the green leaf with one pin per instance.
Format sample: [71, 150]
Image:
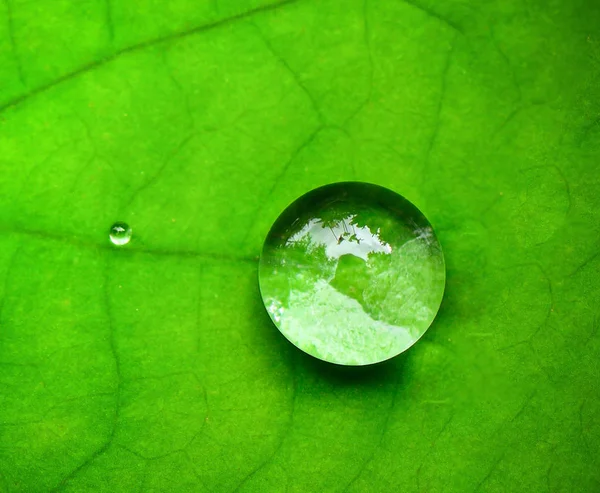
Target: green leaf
[154, 366]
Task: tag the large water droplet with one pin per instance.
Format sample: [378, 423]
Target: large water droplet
[352, 273]
[120, 233]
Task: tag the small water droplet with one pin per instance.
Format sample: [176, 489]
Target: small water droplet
[352, 273]
[120, 233]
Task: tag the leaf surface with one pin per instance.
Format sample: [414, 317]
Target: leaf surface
[154, 367]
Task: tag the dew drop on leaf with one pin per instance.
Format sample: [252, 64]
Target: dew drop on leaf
[120, 233]
[352, 273]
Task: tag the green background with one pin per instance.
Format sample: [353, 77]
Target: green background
[154, 367]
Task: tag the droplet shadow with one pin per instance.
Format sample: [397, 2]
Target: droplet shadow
[377, 374]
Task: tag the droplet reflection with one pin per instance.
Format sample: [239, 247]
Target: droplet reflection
[120, 234]
[352, 273]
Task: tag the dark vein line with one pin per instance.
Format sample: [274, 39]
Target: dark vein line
[307, 142]
[552, 299]
[153, 457]
[494, 466]
[562, 177]
[118, 384]
[60, 404]
[587, 130]
[199, 310]
[198, 432]
[85, 167]
[7, 279]
[550, 289]
[195, 473]
[508, 64]
[24, 189]
[13, 42]
[91, 66]
[435, 15]
[430, 451]
[144, 476]
[287, 479]
[511, 116]
[179, 86]
[19, 365]
[293, 73]
[488, 208]
[282, 440]
[377, 447]
[524, 406]
[548, 473]
[133, 452]
[594, 331]
[4, 480]
[82, 243]
[343, 130]
[88, 132]
[528, 10]
[109, 21]
[156, 176]
[220, 257]
[584, 264]
[582, 430]
[161, 377]
[367, 41]
[438, 114]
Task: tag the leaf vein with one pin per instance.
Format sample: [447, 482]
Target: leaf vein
[279, 446]
[292, 72]
[13, 42]
[438, 113]
[117, 361]
[384, 430]
[426, 10]
[91, 66]
[309, 140]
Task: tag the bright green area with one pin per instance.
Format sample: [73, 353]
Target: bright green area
[352, 273]
[154, 367]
